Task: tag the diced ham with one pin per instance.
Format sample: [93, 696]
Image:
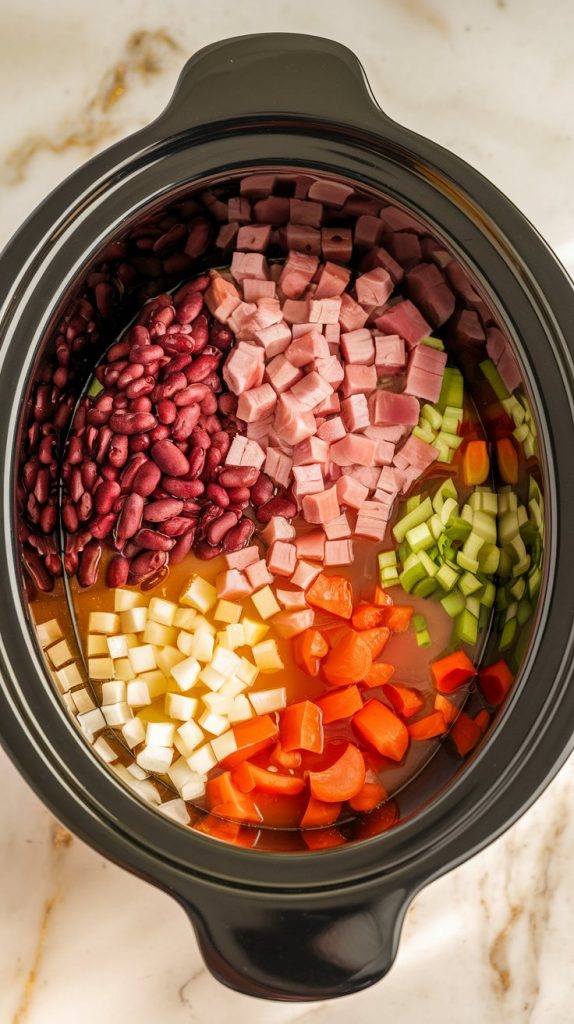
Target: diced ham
[381, 258]
[404, 319]
[304, 574]
[396, 219]
[257, 186]
[311, 545]
[393, 433]
[365, 475]
[333, 473]
[338, 528]
[239, 209]
[290, 624]
[324, 311]
[428, 358]
[275, 339]
[509, 370]
[272, 210]
[330, 369]
[221, 297]
[298, 271]
[384, 498]
[311, 390]
[241, 559]
[282, 558]
[256, 404]
[337, 244]
[281, 374]
[298, 330]
[244, 452]
[359, 380]
[277, 528]
[308, 480]
[353, 450]
[352, 315]
[226, 235]
[355, 413]
[405, 247]
[368, 231]
[333, 193]
[358, 206]
[243, 315]
[338, 552]
[391, 480]
[333, 279]
[244, 368]
[311, 451]
[260, 431]
[386, 407]
[372, 521]
[390, 354]
[302, 183]
[254, 289]
[320, 508]
[254, 237]
[332, 430]
[358, 346]
[307, 347]
[429, 291]
[330, 405]
[249, 264]
[296, 311]
[332, 333]
[373, 288]
[278, 466]
[291, 600]
[217, 208]
[415, 453]
[293, 421]
[303, 239]
[467, 327]
[258, 574]
[303, 212]
[231, 584]
[350, 492]
[385, 453]
[425, 373]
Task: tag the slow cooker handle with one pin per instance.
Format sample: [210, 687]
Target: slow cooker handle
[275, 74]
[297, 946]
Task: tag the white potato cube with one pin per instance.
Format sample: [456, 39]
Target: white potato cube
[114, 692]
[82, 700]
[68, 677]
[241, 709]
[105, 622]
[167, 658]
[119, 644]
[158, 634]
[179, 772]
[133, 620]
[180, 707]
[266, 701]
[97, 645]
[101, 668]
[162, 611]
[221, 637]
[137, 772]
[183, 618]
[160, 734]
[148, 792]
[267, 657]
[68, 703]
[124, 600]
[194, 788]
[155, 759]
[123, 669]
[117, 715]
[224, 745]
[59, 653]
[186, 672]
[133, 732]
[185, 643]
[218, 703]
[233, 686]
[142, 659]
[203, 645]
[225, 662]
[235, 636]
[157, 683]
[137, 693]
[247, 671]
[176, 810]
[103, 749]
[48, 632]
[212, 679]
[198, 594]
[190, 735]
[213, 723]
[227, 611]
[91, 722]
[254, 632]
[202, 760]
[264, 601]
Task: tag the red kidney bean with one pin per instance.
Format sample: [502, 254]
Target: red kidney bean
[201, 368]
[212, 424]
[71, 562]
[75, 451]
[209, 405]
[217, 530]
[212, 463]
[200, 333]
[121, 401]
[181, 548]
[172, 237]
[132, 423]
[178, 488]
[89, 472]
[33, 509]
[196, 462]
[117, 571]
[142, 404]
[104, 440]
[152, 540]
[46, 450]
[76, 486]
[159, 433]
[276, 507]
[101, 526]
[155, 579]
[89, 563]
[169, 458]
[166, 411]
[30, 473]
[132, 372]
[173, 383]
[42, 486]
[205, 551]
[262, 490]
[130, 517]
[189, 308]
[37, 570]
[227, 404]
[53, 564]
[239, 535]
[139, 442]
[69, 516]
[190, 507]
[145, 354]
[217, 494]
[213, 383]
[177, 526]
[84, 507]
[118, 451]
[238, 495]
[162, 510]
[146, 564]
[238, 476]
[105, 495]
[221, 336]
[220, 439]
[146, 479]
[198, 237]
[185, 421]
[91, 436]
[130, 471]
[200, 437]
[48, 518]
[109, 472]
[118, 351]
[143, 386]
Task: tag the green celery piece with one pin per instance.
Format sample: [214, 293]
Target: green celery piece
[529, 533]
[511, 611]
[454, 412]
[485, 526]
[411, 576]
[413, 502]
[450, 440]
[518, 588]
[521, 433]
[466, 627]
[94, 388]
[502, 599]
[521, 567]
[453, 603]
[472, 545]
[522, 513]
[507, 528]
[432, 416]
[431, 342]
[403, 550]
[431, 568]
[494, 379]
[452, 389]
[529, 446]
[388, 576]
[387, 558]
[484, 617]
[420, 537]
[468, 564]
[419, 622]
[534, 582]
[449, 425]
[447, 577]
[425, 433]
[425, 588]
[414, 518]
[448, 511]
[489, 559]
[459, 529]
[524, 611]
[433, 552]
[423, 638]
[507, 635]
[534, 491]
[445, 455]
[469, 584]
[472, 605]
[507, 501]
[488, 596]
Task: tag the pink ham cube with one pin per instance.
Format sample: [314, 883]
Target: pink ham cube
[221, 297]
[368, 231]
[277, 528]
[333, 193]
[381, 258]
[330, 369]
[366, 475]
[338, 528]
[332, 430]
[232, 584]
[296, 311]
[320, 508]
[304, 574]
[249, 264]
[390, 354]
[423, 384]
[311, 390]
[290, 624]
[385, 453]
[352, 316]
[272, 210]
[298, 271]
[226, 235]
[244, 368]
[332, 333]
[291, 600]
[396, 219]
[308, 480]
[241, 559]
[258, 574]
[256, 404]
[405, 247]
[330, 405]
[355, 413]
[275, 339]
[302, 239]
[281, 374]
[338, 552]
[405, 320]
[332, 282]
[373, 288]
[306, 348]
[392, 409]
[239, 209]
[337, 244]
[303, 212]
[254, 237]
[415, 453]
[293, 421]
[359, 380]
[311, 545]
[393, 433]
[372, 521]
[298, 330]
[242, 316]
[391, 480]
[324, 311]
[278, 466]
[282, 558]
[428, 358]
[310, 452]
[257, 186]
[358, 346]
[353, 450]
[350, 492]
[254, 289]
[244, 452]
[260, 431]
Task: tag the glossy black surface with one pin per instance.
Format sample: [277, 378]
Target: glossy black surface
[321, 924]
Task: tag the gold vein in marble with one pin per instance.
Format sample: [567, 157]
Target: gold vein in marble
[145, 54]
[425, 12]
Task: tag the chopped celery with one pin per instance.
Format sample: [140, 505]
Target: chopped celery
[521, 432]
[469, 584]
[431, 415]
[458, 529]
[472, 546]
[453, 603]
[449, 425]
[431, 342]
[409, 577]
[524, 611]
[511, 611]
[445, 454]
[413, 502]
[449, 509]
[484, 617]
[435, 526]
[507, 501]
[390, 572]
[489, 559]
[522, 515]
[447, 577]
[423, 638]
[420, 537]
[528, 446]
[418, 515]
[94, 388]
[534, 491]
[425, 588]
[507, 528]
[518, 588]
[454, 412]
[467, 513]
[487, 598]
[452, 390]
[466, 627]
[424, 433]
[450, 440]
[507, 635]
[387, 558]
[430, 567]
[403, 550]
[464, 562]
[534, 582]
[485, 526]
[494, 379]
[419, 622]
[472, 605]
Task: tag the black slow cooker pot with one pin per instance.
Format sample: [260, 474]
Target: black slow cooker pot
[283, 925]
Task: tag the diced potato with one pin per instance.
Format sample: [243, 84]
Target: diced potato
[183, 618]
[103, 749]
[167, 658]
[186, 672]
[267, 657]
[200, 622]
[156, 682]
[105, 622]
[117, 715]
[266, 701]
[233, 686]
[126, 599]
[101, 668]
[113, 692]
[212, 679]
[48, 632]
[225, 662]
[160, 734]
[176, 810]
[198, 594]
[227, 611]
[179, 772]
[133, 732]
[159, 634]
[194, 788]
[97, 645]
[247, 671]
[60, 653]
[180, 707]
[91, 722]
[254, 632]
[235, 636]
[155, 759]
[213, 723]
[133, 620]
[203, 644]
[123, 669]
[190, 735]
[137, 693]
[202, 760]
[224, 745]
[82, 700]
[265, 603]
[221, 637]
[241, 709]
[135, 770]
[68, 677]
[68, 703]
[162, 611]
[119, 645]
[218, 703]
[142, 659]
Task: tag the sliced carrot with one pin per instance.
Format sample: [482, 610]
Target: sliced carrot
[302, 727]
[378, 674]
[349, 661]
[323, 838]
[378, 821]
[448, 709]
[308, 649]
[332, 593]
[494, 681]
[227, 831]
[507, 460]
[251, 736]
[380, 727]
[370, 796]
[482, 720]
[428, 727]
[342, 780]
[225, 799]
[397, 618]
[283, 759]
[240, 810]
[475, 463]
[465, 733]
[382, 597]
[368, 616]
[332, 636]
[249, 776]
[318, 814]
[340, 704]
[451, 672]
[377, 640]
[406, 701]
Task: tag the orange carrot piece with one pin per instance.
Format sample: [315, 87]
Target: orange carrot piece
[227, 831]
[379, 674]
[249, 776]
[475, 463]
[428, 727]
[507, 460]
[349, 661]
[382, 597]
[370, 796]
[448, 709]
[397, 618]
[342, 780]
[379, 821]
[240, 810]
[308, 650]
[251, 736]
[302, 727]
[406, 701]
[451, 672]
[465, 733]
[494, 681]
[318, 814]
[332, 636]
[333, 594]
[225, 799]
[340, 704]
[368, 616]
[380, 727]
[281, 759]
[323, 838]
[376, 639]
[482, 720]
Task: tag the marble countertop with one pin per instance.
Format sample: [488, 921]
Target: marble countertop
[492, 80]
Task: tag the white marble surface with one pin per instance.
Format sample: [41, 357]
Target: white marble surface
[492, 79]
